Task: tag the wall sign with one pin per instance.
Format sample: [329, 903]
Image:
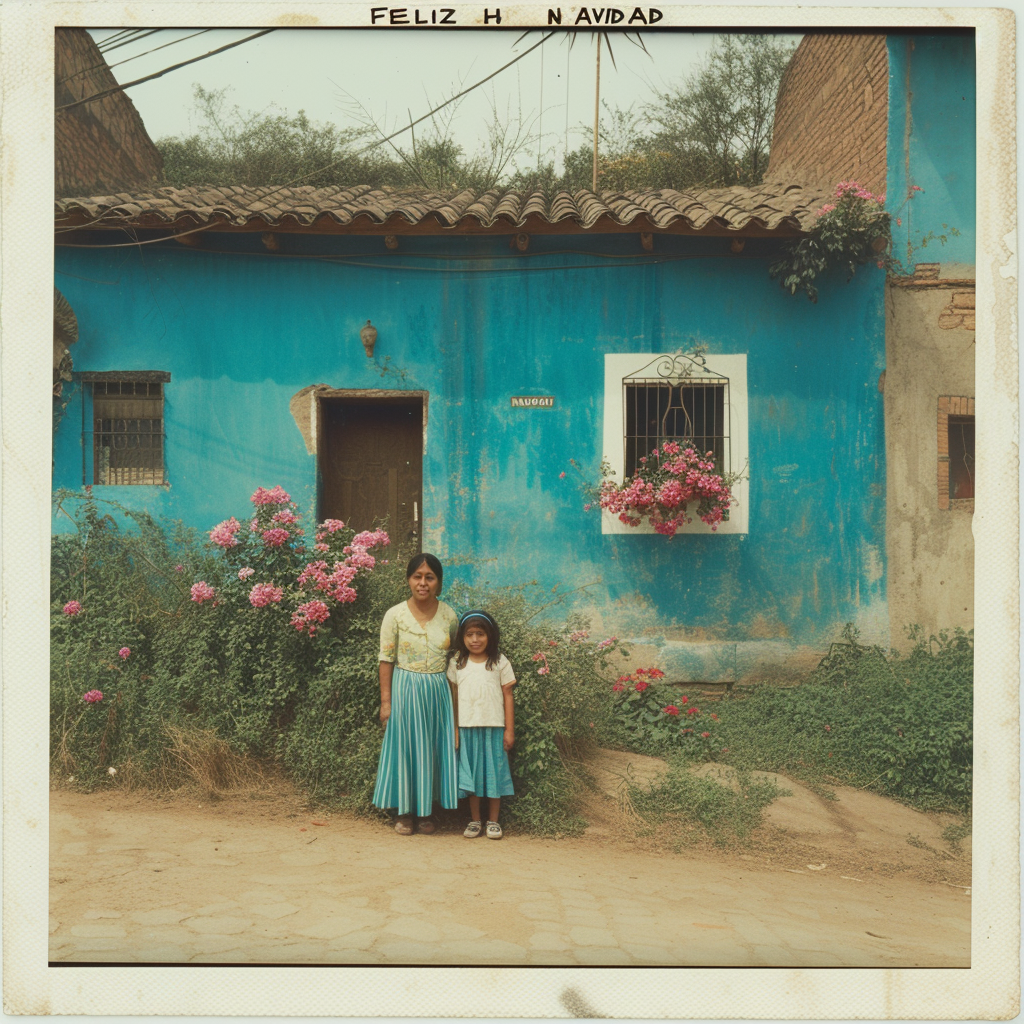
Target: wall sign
[533, 401]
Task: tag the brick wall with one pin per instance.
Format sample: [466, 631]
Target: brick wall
[831, 117]
[100, 146]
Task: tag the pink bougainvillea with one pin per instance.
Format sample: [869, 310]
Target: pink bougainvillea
[72, 608]
[244, 574]
[263, 594]
[664, 487]
[275, 537]
[92, 697]
[223, 534]
[309, 615]
[332, 525]
[124, 652]
[369, 539]
[202, 591]
[276, 496]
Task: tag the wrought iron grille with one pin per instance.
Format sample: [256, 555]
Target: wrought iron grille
[127, 439]
[675, 398]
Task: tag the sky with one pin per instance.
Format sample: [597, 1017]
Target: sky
[330, 73]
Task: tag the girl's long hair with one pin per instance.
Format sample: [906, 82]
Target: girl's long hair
[461, 652]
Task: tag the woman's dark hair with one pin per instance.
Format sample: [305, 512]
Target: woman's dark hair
[488, 625]
[432, 563]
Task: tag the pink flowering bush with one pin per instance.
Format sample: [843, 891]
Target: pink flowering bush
[671, 485]
[271, 558]
[275, 496]
[263, 594]
[310, 615]
[124, 653]
[649, 723]
[92, 697]
[202, 591]
[72, 608]
[852, 229]
[223, 534]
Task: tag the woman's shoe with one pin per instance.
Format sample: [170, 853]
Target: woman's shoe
[426, 826]
[404, 826]
[494, 830]
[473, 829]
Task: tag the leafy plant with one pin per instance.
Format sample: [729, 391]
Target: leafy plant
[660, 720]
[849, 232]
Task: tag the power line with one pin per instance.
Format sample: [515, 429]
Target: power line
[173, 42]
[132, 39]
[145, 53]
[158, 74]
[319, 170]
[120, 34]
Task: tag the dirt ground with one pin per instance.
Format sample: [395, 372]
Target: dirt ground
[855, 881]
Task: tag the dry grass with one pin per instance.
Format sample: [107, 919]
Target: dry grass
[199, 757]
[62, 761]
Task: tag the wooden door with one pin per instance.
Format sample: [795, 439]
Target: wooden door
[371, 465]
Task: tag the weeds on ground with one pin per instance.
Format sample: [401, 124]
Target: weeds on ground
[702, 805]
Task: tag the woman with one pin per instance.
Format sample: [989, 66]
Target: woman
[417, 761]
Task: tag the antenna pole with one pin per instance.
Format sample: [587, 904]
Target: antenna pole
[597, 107]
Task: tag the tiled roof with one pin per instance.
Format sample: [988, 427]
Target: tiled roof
[763, 208]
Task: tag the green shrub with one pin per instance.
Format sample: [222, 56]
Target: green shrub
[899, 725]
[308, 700]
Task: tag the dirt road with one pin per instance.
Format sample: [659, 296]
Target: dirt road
[256, 879]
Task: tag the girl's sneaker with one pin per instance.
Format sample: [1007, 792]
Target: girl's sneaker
[494, 830]
[473, 829]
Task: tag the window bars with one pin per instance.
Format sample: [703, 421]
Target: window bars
[675, 397]
[127, 436]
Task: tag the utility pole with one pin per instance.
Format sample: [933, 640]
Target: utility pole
[597, 108]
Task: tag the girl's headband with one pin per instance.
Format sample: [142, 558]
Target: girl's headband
[477, 614]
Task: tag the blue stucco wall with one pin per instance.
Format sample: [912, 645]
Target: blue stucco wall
[932, 81]
[242, 331]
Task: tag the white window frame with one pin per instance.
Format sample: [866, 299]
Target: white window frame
[618, 366]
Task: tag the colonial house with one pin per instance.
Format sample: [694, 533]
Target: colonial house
[458, 364]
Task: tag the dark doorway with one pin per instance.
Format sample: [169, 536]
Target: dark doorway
[371, 464]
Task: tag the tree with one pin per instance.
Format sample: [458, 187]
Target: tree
[236, 148]
[712, 129]
[719, 122]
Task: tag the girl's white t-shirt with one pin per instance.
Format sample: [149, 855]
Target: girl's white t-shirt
[480, 698]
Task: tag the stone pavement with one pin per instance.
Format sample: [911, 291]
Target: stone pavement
[138, 881]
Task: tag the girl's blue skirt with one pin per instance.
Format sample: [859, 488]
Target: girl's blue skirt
[417, 761]
[483, 763]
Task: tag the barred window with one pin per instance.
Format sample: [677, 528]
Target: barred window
[127, 436]
[675, 398]
[649, 399]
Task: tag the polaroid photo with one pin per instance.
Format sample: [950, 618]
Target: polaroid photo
[677, 337]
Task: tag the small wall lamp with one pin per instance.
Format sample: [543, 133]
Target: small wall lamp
[368, 336]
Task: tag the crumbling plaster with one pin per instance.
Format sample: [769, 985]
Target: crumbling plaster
[930, 549]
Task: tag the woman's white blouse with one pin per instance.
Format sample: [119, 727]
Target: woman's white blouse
[413, 647]
[481, 702]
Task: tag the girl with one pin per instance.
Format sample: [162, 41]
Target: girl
[485, 722]
[417, 761]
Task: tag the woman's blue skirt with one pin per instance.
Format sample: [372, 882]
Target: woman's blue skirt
[483, 763]
[417, 760]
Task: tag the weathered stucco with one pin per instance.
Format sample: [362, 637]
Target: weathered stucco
[245, 334]
[931, 549]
